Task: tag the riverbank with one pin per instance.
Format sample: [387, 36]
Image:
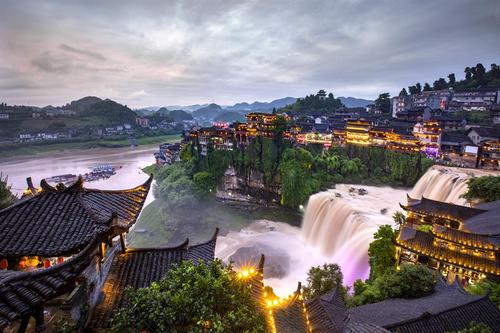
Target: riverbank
[20, 150]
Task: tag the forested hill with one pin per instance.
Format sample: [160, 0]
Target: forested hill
[476, 77]
[312, 104]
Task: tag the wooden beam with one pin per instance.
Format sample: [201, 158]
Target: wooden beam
[24, 324]
[122, 243]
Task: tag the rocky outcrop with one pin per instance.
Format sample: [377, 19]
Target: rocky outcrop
[246, 187]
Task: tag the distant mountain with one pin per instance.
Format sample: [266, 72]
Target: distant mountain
[262, 106]
[208, 112]
[83, 103]
[180, 115]
[230, 117]
[189, 108]
[353, 102]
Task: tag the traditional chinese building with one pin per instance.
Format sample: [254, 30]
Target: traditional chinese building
[260, 124]
[454, 240]
[218, 138]
[358, 132]
[57, 242]
[63, 248]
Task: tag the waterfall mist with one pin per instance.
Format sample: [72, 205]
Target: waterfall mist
[338, 226]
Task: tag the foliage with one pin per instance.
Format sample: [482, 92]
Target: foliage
[204, 183]
[425, 227]
[383, 103]
[313, 104]
[486, 188]
[381, 251]
[174, 185]
[410, 281]
[6, 196]
[322, 279]
[296, 184]
[192, 298]
[487, 287]
[475, 327]
[476, 77]
[398, 217]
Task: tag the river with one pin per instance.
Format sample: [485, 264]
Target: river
[128, 161]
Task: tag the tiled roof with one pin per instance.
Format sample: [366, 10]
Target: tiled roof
[59, 221]
[486, 223]
[291, 318]
[327, 313]
[422, 242]
[439, 208]
[455, 319]
[139, 268]
[397, 311]
[22, 292]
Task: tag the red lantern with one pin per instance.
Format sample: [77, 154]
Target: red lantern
[60, 260]
[22, 264]
[46, 263]
[4, 264]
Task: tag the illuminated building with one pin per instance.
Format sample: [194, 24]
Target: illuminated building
[358, 132]
[315, 138]
[378, 136]
[454, 240]
[429, 135]
[260, 124]
[490, 154]
[401, 142]
[217, 138]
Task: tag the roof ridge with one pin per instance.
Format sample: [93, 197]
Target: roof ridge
[438, 313]
[213, 238]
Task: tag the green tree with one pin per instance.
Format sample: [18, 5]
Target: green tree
[440, 84]
[322, 279]
[410, 281]
[192, 298]
[427, 87]
[487, 287]
[451, 79]
[295, 170]
[381, 251]
[204, 183]
[398, 218]
[486, 188]
[6, 196]
[383, 102]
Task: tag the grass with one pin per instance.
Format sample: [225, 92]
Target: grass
[11, 150]
[150, 169]
[152, 220]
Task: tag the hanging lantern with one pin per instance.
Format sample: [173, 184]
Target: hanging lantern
[46, 263]
[22, 264]
[4, 264]
[60, 260]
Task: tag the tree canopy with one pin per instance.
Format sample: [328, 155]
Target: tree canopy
[6, 196]
[192, 298]
[322, 279]
[486, 188]
[381, 251]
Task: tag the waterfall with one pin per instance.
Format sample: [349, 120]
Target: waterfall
[342, 226]
[441, 185]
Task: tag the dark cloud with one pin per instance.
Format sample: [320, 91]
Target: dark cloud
[176, 52]
[87, 53]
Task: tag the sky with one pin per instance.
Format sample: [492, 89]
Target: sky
[155, 53]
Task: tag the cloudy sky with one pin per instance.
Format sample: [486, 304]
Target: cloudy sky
[143, 53]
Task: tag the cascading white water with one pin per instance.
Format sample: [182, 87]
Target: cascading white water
[445, 184]
[339, 224]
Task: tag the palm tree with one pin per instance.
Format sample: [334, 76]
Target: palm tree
[334, 162]
[6, 196]
[349, 167]
[399, 218]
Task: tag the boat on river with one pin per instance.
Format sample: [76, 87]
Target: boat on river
[102, 171]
